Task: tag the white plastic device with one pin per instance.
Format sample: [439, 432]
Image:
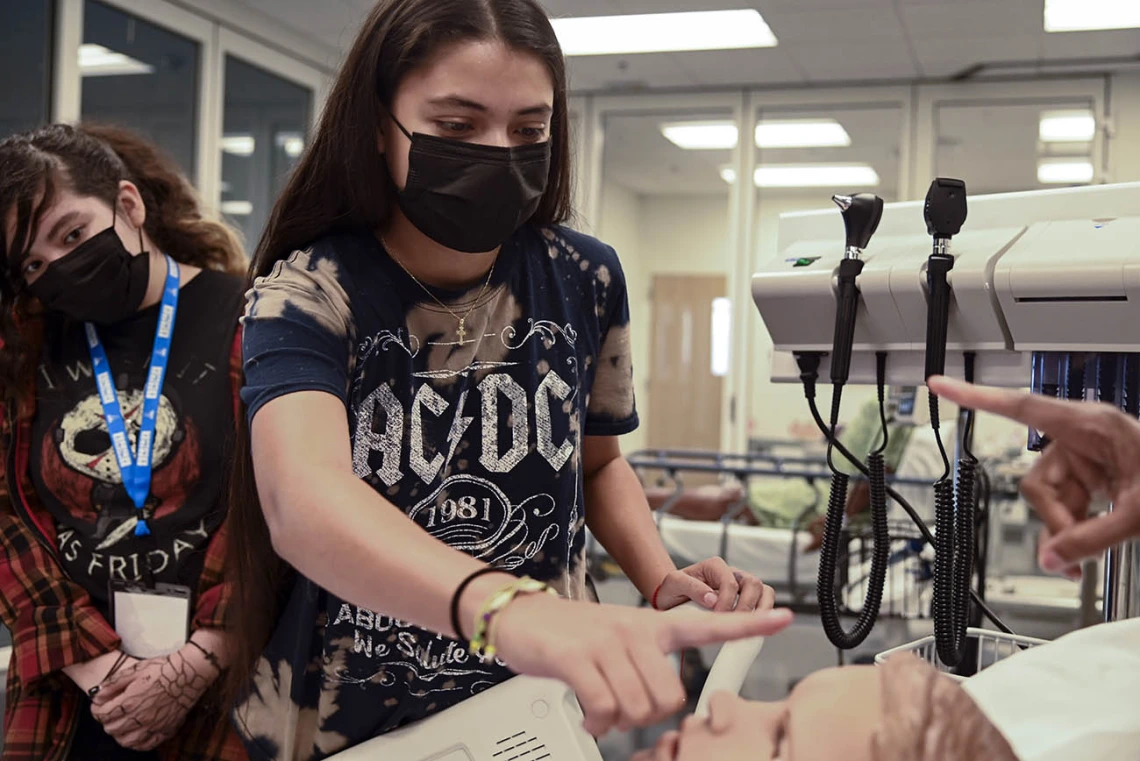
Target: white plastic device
[1054, 270]
[526, 719]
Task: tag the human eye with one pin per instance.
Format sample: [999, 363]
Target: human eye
[73, 236]
[452, 128]
[32, 266]
[533, 134]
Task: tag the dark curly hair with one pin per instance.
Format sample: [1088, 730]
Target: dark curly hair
[89, 160]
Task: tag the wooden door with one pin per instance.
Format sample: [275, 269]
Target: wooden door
[684, 395]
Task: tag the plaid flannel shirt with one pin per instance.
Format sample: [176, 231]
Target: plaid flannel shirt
[54, 623]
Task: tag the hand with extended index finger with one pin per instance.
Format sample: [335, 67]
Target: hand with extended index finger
[1094, 452]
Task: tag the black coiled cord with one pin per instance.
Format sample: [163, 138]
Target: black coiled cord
[833, 529]
[954, 516]
[809, 375]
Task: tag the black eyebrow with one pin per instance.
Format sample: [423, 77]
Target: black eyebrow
[543, 110]
[62, 222]
[458, 102]
[455, 101]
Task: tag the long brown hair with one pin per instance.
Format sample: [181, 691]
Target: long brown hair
[343, 182]
[90, 160]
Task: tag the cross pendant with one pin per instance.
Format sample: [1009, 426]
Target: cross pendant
[461, 331]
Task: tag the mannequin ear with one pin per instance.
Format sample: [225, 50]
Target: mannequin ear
[131, 204]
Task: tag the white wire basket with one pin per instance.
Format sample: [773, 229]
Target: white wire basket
[991, 648]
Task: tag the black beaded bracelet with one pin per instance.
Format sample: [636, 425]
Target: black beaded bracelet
[459, 593]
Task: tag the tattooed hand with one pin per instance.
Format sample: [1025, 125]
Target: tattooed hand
[146, 702]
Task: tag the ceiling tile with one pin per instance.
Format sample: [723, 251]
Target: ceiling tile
[654, 70]
[677, 6]
[1092, 44]
[815, 5]
[336, 24]
[964, 20]
[855, 62]
[941, 57]
[740, 67]
[559, 8]
[838, 27]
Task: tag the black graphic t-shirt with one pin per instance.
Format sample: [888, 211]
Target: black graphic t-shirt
[478, 440]
[74, 469]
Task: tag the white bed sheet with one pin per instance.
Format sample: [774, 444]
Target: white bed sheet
[1077, 698]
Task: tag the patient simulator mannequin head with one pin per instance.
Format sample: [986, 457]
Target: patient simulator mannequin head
[901, 711]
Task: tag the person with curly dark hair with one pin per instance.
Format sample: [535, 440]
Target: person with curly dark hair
[119, 360]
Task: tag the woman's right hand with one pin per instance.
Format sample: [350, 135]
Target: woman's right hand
[615, 657]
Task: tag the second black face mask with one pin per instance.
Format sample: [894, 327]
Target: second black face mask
[471, 197]
[99, 281]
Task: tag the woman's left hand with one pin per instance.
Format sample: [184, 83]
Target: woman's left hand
[144, 704]
[715, 585]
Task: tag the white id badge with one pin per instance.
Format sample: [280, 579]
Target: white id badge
[151, 621]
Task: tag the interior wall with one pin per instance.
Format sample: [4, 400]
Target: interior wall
[619, 227]
[659, 235]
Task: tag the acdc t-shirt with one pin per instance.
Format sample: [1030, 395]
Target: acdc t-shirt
[476, 435]
[74, 469]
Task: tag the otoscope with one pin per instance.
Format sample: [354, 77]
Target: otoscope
[861, 216]
[945, 212]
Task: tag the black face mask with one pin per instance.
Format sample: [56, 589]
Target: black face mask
[99, 281]
[470, 197]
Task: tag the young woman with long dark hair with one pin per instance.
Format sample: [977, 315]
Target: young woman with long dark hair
[114, 474]
[436, 373]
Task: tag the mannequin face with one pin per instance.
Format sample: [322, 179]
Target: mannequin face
[833, 714]
[72, 219]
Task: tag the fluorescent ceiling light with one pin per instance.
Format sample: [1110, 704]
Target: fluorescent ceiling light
[1064, 172]
[816, 176]
[1077, 126]
[802, 133]
[663, 32]
[788, 133]
[98, 61]
[292, 143]
[701, 136]
[810, 176]
[237, 208]
[1091, 15]
[239, 145]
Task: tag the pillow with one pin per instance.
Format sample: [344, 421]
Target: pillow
[1075, 698]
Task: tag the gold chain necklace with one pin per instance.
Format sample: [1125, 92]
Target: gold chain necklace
[461, 327]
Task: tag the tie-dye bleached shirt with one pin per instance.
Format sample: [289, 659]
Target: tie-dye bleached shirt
[479, 441]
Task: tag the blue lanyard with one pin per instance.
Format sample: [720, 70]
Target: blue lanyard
[136, 468]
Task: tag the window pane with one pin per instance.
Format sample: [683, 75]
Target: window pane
[665, 209]
[1004, 147]
[25, 57]
[141, 76]
[265, 129]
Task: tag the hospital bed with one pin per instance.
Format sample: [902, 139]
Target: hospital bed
[778, 555]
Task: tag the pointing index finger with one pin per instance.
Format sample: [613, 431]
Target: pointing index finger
[1054, 417]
